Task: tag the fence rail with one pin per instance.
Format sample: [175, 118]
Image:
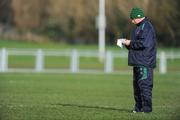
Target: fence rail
[74, 56]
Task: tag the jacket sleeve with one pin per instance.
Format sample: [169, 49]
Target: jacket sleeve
[143, 41]
[137, 45]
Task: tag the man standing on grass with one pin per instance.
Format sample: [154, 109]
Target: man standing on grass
[142, 56]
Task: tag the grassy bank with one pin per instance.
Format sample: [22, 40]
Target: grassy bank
[83, 97]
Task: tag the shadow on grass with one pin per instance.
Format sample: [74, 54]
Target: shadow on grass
[93, 107]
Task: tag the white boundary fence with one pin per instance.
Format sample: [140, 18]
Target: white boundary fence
[74, 59]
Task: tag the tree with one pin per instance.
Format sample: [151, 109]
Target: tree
[6, 13]
[73, 21]
[164, 15]
[27, 14]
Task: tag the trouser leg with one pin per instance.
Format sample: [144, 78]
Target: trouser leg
[145, 83]
[137, 92]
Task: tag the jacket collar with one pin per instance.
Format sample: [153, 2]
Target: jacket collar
[143, 21]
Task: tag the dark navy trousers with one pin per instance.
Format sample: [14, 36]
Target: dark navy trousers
[143, 85]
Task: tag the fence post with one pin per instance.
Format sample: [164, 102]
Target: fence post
[39, 60]
[4, 60]
[163, 63]
[74, 61]
[109, 63]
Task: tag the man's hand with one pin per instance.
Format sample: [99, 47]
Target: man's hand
[126, 42]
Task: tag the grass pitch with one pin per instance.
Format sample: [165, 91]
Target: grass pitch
[83, 97]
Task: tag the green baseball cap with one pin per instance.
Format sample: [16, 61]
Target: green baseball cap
[136, 13]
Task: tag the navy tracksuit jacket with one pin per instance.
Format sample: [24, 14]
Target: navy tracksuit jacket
[142, 56]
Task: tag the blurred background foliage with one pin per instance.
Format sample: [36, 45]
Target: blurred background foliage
[74, 21]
